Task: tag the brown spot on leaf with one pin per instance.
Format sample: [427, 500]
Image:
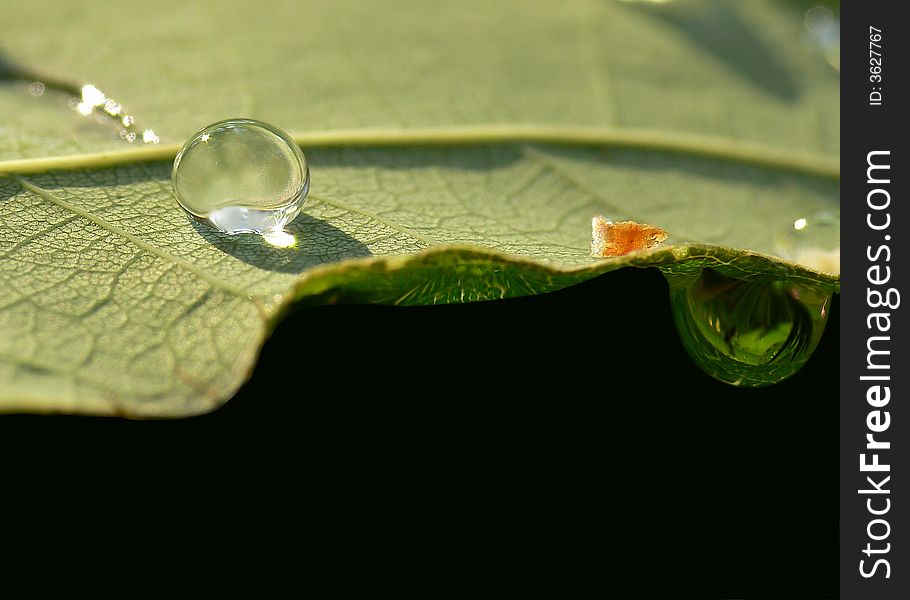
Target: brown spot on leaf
[616, 239]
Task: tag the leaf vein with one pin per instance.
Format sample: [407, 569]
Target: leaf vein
[387, 222]
[140, 243]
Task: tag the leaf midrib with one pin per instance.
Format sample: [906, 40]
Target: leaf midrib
[811, 163]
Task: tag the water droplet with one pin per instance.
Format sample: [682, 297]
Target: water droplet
[824, 29]
[752, 332]
[820, 20]
[241, 176]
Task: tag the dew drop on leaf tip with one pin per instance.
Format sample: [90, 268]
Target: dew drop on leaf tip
[747, 332]
[241, 176]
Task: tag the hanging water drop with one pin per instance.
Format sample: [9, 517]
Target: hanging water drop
[751, 332]
[241, 176]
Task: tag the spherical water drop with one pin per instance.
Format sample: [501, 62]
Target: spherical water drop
[748, 332]
[241, 176]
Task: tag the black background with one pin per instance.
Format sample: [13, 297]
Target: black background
[562, 445]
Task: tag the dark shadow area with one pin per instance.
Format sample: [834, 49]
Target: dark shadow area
[11, 72]
[717, 28]
[561, 446]
[7, 71]
[8, 188]
[317, 242]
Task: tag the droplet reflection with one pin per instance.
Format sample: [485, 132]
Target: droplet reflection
[280, 239]
[747, 332]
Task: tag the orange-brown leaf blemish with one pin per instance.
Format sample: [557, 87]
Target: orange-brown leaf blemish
[616, 239]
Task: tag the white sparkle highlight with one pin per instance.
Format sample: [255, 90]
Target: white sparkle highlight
[92, 95]
[149, 137]
[112, 108]
[280, 239]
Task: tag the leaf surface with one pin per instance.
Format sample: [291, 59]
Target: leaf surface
[435, 173]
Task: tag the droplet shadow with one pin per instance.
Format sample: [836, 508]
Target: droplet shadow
[316, 243]
[9, 187]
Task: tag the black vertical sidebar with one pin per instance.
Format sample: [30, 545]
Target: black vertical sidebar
[875, 371]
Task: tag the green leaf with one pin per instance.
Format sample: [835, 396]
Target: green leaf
[458, 153]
